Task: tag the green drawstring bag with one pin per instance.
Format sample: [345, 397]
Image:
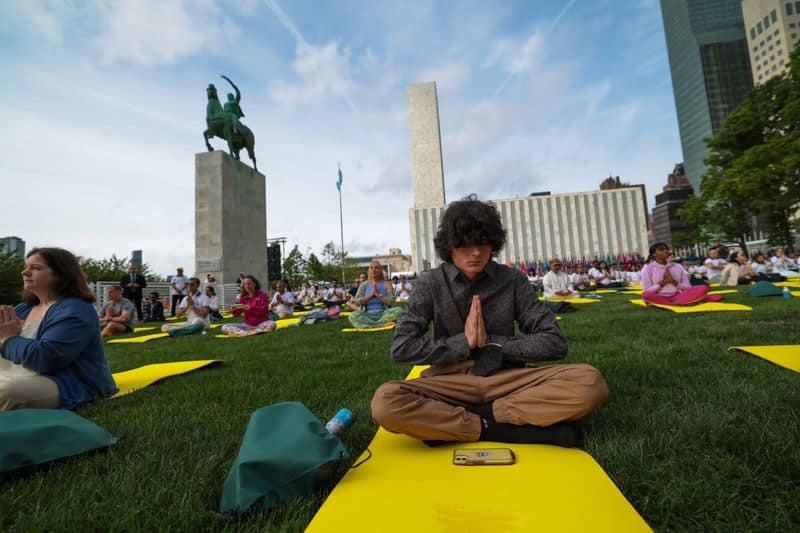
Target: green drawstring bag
[764, 288]
[38, 436]
[286, 453]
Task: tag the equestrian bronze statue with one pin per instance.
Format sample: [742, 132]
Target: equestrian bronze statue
[223, 122]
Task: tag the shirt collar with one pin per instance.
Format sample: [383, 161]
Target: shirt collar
[452, 272]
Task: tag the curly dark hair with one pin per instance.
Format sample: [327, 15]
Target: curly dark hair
[67, 272]
[469, 221]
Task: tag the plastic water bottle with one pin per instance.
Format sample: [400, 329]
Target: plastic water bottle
[787, 293]
[340, 421]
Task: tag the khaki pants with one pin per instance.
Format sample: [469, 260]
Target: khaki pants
[21, 388]
[432, 406]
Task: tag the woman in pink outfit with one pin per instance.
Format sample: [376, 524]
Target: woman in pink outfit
[254, 303]
[668, 283]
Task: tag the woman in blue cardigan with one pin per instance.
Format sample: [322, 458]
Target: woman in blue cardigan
[52, 352]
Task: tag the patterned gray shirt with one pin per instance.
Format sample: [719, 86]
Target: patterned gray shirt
[442, 297]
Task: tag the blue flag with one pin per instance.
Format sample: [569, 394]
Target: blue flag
[339, 182]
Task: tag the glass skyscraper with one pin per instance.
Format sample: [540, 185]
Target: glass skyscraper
[710, 69]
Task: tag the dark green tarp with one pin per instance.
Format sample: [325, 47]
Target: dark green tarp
[37, 436]
[284, 452]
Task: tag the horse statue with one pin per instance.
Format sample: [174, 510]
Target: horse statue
[224, 123]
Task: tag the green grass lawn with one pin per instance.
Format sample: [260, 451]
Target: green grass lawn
[696, 437]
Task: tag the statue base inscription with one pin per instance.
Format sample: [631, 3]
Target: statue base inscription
[230, 219]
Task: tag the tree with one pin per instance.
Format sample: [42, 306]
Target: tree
[754, 165]
[315, 269]
[113, 269]
[11, 267]
[295, 268]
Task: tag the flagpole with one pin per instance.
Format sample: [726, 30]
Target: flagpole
[341, 221]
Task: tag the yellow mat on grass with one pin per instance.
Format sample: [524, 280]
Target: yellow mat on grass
[791, 284]
[605, 291]
[786, 355]
[140, 339]
[138, 378]
[387, 327]
[407, 487]
[705, 307]
[723, 291]
[143, 329]
[574, 300]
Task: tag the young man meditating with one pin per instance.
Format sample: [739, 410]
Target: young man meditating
[478, 386]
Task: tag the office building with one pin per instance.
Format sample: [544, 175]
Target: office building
[13, 245]
[674, 195]
[773, 29]
[710, 69]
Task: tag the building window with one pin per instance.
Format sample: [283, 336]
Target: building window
[797, 7]
[773, 16]
[777, 32]
[753, 34]
[792, 25]
[794, 36]
[759, 28]
[769, 49]
[780, 51]
[789, 10]
[769, 38]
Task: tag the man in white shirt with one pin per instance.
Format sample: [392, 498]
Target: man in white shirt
[556, 284]
[403, 289]
[580, 280]
[177, 290]
[335, 294]
[195, 306]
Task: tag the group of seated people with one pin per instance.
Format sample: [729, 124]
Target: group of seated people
[738, 269]
[583, 277]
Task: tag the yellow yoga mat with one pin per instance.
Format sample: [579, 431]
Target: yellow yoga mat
[632, 292]
[368, 330]
[795, 293]
[284, 323]
[705, 307]
[140, 339]
[408, 487]
[795, 283]
[138, 378]
[605, 291]
[724, 291]
[574, 300]
[786, 355]
[142, 330]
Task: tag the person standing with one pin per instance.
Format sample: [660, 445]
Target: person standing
[177, 288]
[132, 284]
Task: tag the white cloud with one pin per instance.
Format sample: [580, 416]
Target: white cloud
[323, 72]
[152, 33]
[46, 18]
[449, 76]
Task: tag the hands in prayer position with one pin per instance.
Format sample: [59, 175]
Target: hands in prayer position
[474, 327]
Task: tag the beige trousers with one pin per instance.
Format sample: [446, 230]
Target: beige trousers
[21, 388]
[432, 406]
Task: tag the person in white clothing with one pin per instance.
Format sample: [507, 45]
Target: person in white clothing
[195, 307]
[580, 279]
[335, 294]
[177, 290]
[714, 265]
[403, 289]
[556, 284]
[283, 301]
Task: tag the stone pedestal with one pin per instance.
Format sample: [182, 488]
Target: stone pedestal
[230, 219]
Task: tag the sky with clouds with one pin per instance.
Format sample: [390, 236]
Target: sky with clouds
[105, 109]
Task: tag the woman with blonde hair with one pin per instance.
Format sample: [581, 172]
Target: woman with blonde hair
[375, 297]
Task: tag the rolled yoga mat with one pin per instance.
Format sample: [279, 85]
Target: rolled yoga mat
[785, 355]
[138, 378]
[407, 487]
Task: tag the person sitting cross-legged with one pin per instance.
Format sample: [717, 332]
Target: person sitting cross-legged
[118, 314]
[254, 304]
[282, 301]
[375, 297]
[667, 283]
[478, 386]
[557, 284]
[194, 307]
[154, 308]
